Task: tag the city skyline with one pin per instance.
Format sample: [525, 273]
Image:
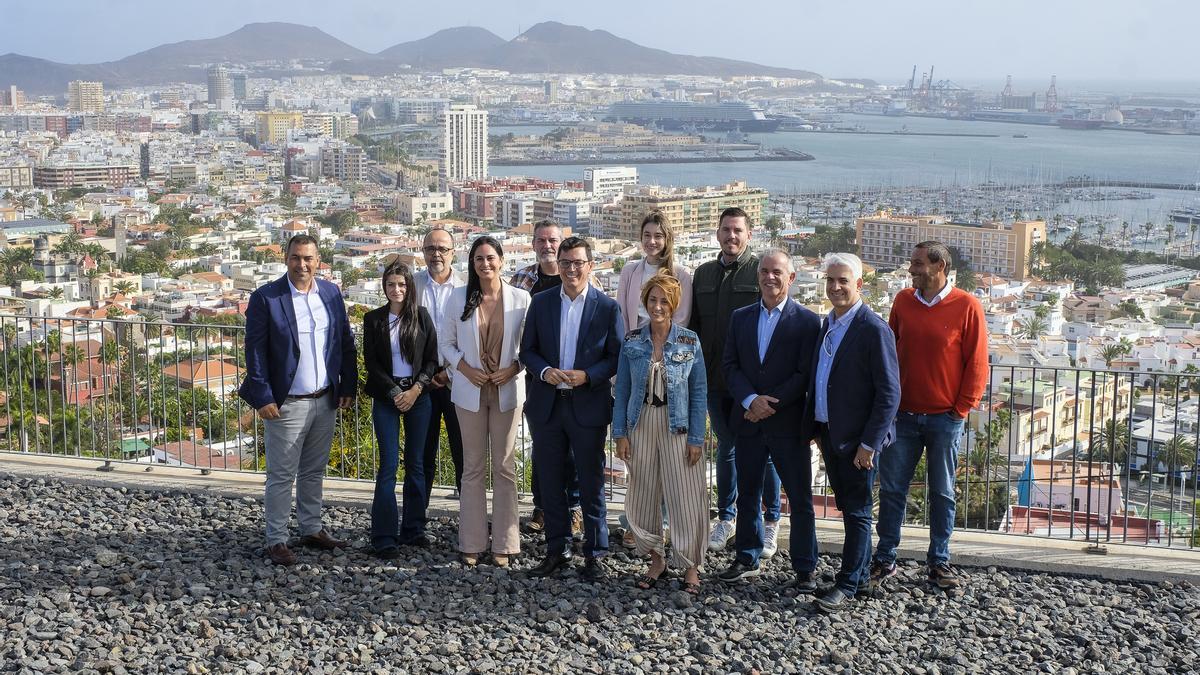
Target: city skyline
[1144, 45]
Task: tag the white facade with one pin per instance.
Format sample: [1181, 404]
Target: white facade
[609, 180]
[464, 144]
[429, 206]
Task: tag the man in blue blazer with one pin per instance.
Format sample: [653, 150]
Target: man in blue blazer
[570, 347]
[851, 411]
[769, 382]
[300, 364]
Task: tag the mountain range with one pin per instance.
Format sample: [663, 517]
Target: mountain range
[548, 47]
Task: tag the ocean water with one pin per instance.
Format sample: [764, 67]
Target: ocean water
[864, 162]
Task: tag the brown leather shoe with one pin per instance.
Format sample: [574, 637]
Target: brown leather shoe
[280, 554]
[322, 540]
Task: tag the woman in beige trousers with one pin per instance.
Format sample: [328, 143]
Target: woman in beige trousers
[479, 339]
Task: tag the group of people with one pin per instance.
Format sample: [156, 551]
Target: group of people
[726, 346]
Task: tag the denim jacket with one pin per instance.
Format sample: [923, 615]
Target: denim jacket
[687, 384]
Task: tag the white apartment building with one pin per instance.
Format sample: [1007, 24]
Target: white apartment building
[426, 206]
[609, 180]
[464, 144]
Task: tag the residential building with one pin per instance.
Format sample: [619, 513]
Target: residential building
[687, 209]
[273, 127]
[887, 241]
[83, 96]
[216, 375]
[425, 206]
[1157, 277]
[58, 177]
[345, 162]
[609, 180]
[464, 144]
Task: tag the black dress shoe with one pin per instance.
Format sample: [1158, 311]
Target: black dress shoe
[550, 564]
[805, 583]
[832, 600]
[420, 541]
[387, 552]
[594, 569]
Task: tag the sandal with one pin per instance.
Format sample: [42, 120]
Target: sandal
[646, 582]
[470, 559]
[691, 589]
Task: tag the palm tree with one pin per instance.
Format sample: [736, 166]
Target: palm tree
[124, 287]
[1148, 227]
[1194, 225]
[1125, 233]
[1114, 351]
[55, 293]
[1178, 454]
[1170, 240]
[1111, 444]
[1032, 328]
[68, 244]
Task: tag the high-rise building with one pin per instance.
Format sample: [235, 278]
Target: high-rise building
[687, 209]
[609, 180]
[83, 96]
[344, 161]
[11, 97]
[239, 86]
[272, 127]
[464, 144]
[220, 85]
[887, 241]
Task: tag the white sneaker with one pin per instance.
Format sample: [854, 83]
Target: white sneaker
[721, 534]
[770, 539]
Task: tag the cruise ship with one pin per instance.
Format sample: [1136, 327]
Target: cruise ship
[677, 115]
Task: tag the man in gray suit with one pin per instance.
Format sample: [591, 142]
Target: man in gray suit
[434, 286]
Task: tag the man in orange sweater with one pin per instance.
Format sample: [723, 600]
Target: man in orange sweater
[941, 342]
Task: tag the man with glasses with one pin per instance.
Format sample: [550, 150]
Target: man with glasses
[570, 345]
[941, 343]
[542, 276]
[851, 411]
[434, 285]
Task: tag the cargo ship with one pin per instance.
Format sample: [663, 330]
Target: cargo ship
[1077, 123]
[686, 115]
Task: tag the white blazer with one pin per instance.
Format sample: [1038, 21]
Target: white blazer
[458, 340]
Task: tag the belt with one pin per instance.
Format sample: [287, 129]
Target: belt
[404, 383]
[564, 393]
[316, 394]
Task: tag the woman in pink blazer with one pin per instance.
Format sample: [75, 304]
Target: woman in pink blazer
[658, 257]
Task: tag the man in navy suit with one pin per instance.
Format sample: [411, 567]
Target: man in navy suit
[300, 364]
[851, 411]
[769, 381]
[570, 346]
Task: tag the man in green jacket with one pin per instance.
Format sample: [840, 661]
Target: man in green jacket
[718, 288]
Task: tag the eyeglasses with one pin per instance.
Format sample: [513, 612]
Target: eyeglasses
[440, 250]
[827, 343]
[573, 264]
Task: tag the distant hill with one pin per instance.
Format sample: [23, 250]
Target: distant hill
[548, 47]
[552, 47]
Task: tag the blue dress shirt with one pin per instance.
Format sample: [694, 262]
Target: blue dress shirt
[826, 353]
[768, 319]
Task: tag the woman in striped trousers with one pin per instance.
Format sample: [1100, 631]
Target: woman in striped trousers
[658, 424]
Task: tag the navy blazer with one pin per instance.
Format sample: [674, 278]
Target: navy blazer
[783, 373]
[273, 345]
[863, 388]
[601, 330]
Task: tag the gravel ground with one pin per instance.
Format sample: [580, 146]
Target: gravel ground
[121, 580]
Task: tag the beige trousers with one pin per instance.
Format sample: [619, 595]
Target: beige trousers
[489, 431]
[658, 470]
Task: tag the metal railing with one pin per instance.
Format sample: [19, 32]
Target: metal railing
[1094, 455]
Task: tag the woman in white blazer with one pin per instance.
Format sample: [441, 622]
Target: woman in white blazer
[479, 339]
[658, 257]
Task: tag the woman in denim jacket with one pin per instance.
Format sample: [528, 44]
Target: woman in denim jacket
[658, 423]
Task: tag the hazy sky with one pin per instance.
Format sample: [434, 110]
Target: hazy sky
[967, 40]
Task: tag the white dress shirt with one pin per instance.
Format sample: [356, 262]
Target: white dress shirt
[400, 365]
[935, 299]
[568, 331]
[435, 297]
[312, 328]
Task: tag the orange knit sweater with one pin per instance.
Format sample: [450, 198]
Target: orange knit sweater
[942, 352]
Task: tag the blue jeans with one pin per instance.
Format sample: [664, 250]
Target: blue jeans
[720, 407]
[938, 435]
[385, 531]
